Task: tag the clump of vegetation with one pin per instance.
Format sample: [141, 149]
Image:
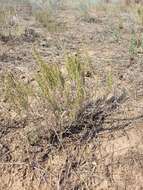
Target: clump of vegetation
[16, 93]
[47, 16]
[109, 81]
[136, 44]
[140, 14]
[63, 93]
[50, 82]
[47, 19]
[120, 24]
[136, 41]
[116, 34]
[133, 45]
[10, 25]
[43, 17]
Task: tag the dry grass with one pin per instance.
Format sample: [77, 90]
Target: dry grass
[140, 14]
[49, 21]
[9, 23]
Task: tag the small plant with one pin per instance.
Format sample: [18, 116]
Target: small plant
[140, 14]
[47, 16]
[115, 34]
[110, 81]
[9, 23]
[50, 81]
[121, 25]
[63, 91]
[76, 74]
[133, 45]
[16, 93]
[43, 17]
[47, 19]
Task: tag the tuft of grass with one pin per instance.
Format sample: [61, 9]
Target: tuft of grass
[133, 45]
[49, 80]
[120, 24]
[140, 14]
[62, 91]
[76, 74]
[110, 81]
[48, 21]
[16, 93]
[48, 15]
[9, 23]
[116, 34]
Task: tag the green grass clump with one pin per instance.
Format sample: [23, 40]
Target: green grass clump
[133, 45]
[136, 44]
[76, 74]
[109, 81]
[60, 92]
[63, 91]
[16, 93]
[50, 81]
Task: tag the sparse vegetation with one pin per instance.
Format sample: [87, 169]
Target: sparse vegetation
[109, 81]
[10, 25]
[116, 35]
[48, 20]
[140, 14]
[71, 101]
[63, 92]
[133, 45]
[47, 16]
[16, 93]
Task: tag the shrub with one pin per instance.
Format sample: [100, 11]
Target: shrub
[50, 81]
[63, 91]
